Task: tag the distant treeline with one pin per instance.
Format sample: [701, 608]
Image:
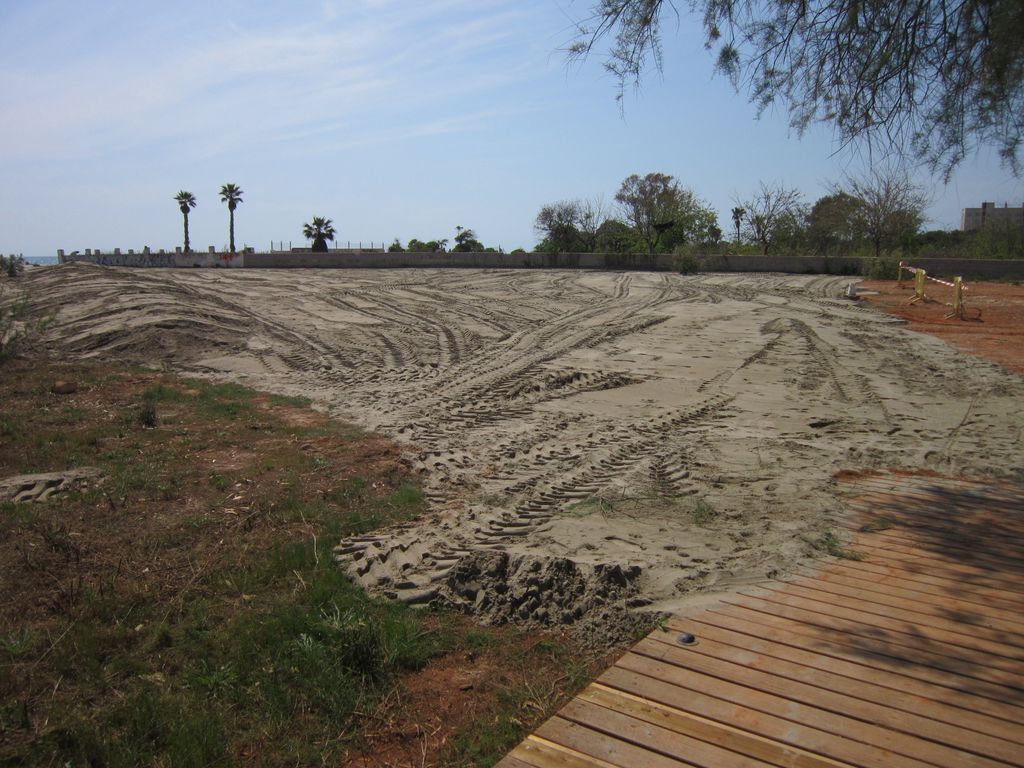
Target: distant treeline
[879, 215]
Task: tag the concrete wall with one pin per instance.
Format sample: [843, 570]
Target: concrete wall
[182, 260]
[968, 268]
[465, 260]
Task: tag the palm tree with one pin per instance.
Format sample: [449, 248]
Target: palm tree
[186, 201]
[232, 195]
[737, 219]
[320, 231]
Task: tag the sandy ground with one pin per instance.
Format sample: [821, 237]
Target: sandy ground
[586, 439]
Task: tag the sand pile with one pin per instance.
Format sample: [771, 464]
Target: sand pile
[586, 439]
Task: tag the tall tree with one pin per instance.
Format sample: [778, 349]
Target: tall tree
[320, 230]
[737, 219]
[186, 202]
[648, 203]
[662, 213]
[834, 224]
[932, 78]
[232, 195]
[593, 213]
[772, 211]
[465, 241]
[558, 226]
[430, 246]
[571, 225]
[891, 206]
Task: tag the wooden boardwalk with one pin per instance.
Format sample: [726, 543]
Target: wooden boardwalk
[912, 655]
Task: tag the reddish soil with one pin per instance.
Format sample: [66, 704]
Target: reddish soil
[993, 327]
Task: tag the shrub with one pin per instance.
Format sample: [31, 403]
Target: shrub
[882, 268]
[12, 266]
[14, 331]
[687, 261]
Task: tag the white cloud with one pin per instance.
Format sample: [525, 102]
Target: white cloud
[234, 82]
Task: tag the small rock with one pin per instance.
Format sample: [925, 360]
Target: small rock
[64, 387]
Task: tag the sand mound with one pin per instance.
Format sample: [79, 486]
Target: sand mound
[590, 443]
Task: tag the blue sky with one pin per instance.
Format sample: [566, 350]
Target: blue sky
[394, 118]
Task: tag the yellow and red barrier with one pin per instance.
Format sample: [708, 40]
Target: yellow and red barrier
[920, 278]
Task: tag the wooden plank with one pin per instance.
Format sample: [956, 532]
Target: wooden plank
[653, 737]
[851, 647]
[943, 568]
[720, 734]
[976, 548]
[905, 646]
[511, 761]
[908, 612]
[986, 548]
[888, 573]
[977, 712]
[772, 725]
[1006, 588]
[892, 594]
[798, 711]
[971, 492]
[938, 498]
[846, 705]
[937, 641]
[937, 503]
[541, 753]
[593, 743]
[854, 697]
[911, 657]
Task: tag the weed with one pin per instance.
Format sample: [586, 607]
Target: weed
[218, 481]
[882, 268]
[17, 329]
[213, 680]
[18, 644]
[293, 401]
[703, 512]
[147, 415]
[478, 641]
[161, 393]
[830, 544]
[406, 495]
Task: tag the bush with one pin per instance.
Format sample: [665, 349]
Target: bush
[12, 266]
[687, 261]
[881, 268]
[687, 264]
[13, 329]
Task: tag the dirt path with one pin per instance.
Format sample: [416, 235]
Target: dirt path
[598, 438]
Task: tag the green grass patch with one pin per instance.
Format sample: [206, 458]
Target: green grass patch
[703, 512]
[830, 544]
[187, 609]
[291, 401]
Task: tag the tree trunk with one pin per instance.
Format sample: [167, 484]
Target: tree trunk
[187, 248]
[231, 229]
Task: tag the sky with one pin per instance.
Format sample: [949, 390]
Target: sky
[394, 118]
